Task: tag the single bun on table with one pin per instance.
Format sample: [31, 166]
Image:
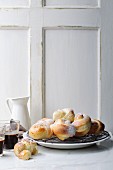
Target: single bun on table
[96, 127]
[63, 129]
[82, 123]
[66, 113]
[25, 148]
[41, 129]
[18, 148]
[30, 145]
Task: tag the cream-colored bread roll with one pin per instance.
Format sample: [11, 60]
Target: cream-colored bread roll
[25, 148]
[19, 147]
[82, 123]
[63, 129]
[59, 114]
[41, 129]
[66, 113]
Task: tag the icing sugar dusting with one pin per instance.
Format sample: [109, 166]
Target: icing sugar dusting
[71, 130]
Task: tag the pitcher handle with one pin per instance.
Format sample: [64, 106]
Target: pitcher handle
[8, 104]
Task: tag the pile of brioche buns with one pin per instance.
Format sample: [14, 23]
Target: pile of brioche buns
[65, 124]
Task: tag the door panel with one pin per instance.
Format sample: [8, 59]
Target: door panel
[71, 69]
[14, 65]
[73, 3]
[14, 3]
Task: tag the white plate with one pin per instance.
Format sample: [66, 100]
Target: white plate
[66, 146]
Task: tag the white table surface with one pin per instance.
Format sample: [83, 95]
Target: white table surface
[96, 157]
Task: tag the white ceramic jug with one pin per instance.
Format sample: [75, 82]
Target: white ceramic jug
[19, 111]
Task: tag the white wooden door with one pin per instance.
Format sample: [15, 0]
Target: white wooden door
[77, 51]
[59, 53]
